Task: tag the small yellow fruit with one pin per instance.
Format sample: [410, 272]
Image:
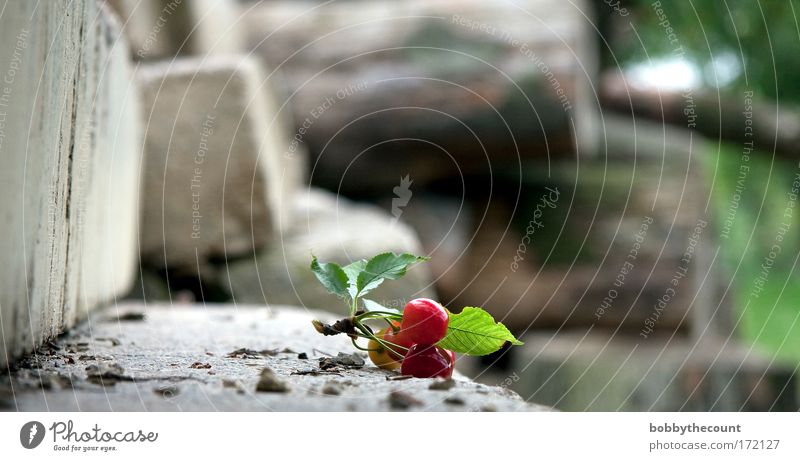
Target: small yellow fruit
[380, 356]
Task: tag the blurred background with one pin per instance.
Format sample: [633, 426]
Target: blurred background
[608, 178]
[614, 180]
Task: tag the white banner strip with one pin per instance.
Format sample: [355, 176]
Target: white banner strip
[401, 436]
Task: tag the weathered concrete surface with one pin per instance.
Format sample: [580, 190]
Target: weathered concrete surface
[334, 229]
[216, 173]
[211, 358]
[70, 149]
[430, 88]
[599, 372]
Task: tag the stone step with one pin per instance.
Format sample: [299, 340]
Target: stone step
[69, 161]
[137, 357]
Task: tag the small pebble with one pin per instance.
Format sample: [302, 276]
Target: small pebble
[341, 360]
[402, 400]
[269, 382]
[442, 385]
[332, 389]
[167, 391]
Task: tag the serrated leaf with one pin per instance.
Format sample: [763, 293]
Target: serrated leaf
[352, 270]
[384, 266]
[473, 331]
[332, 277]
[371, 305]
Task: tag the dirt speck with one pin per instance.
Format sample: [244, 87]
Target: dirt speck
[106, 374]
[200, 365]
[246, 353]
[113, 341]
[77, 347]
[130, 316]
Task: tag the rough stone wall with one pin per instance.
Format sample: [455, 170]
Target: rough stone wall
[69, 146]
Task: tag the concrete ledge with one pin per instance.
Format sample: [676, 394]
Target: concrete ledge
[135, 357]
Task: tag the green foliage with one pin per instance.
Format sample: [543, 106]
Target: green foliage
[372, 306]
[762, 36]
[381, 267]
[332, 277]
[770, 315]
[360, 277]
[473, 331]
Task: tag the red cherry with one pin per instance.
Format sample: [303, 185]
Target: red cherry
[423, 361]
[424, 321]
[398, 338]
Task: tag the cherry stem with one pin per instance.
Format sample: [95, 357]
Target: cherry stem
[355, 344]
[396, 348]
[354, 306]
[379, 314]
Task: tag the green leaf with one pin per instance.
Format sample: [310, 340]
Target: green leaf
[353, 270]
[384, 266]
[371, 306]
[332, 276]
[474, 332]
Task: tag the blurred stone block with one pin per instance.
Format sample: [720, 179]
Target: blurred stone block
[333, 229]
[603, 372]
[164, 29]
[70, 140]
[622, 241]
[431, 88]
[216, 167]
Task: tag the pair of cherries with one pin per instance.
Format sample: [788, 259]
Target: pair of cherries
[424, 324]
